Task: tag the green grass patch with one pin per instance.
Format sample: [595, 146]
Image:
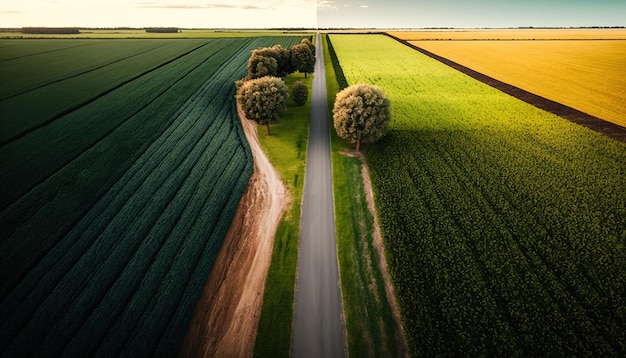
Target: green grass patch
[369, 321]
[286, 149]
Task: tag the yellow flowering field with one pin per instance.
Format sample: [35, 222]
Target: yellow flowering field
[584, 74]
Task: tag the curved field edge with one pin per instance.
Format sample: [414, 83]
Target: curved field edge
[503, 224]
[113, 284]
[286, 148]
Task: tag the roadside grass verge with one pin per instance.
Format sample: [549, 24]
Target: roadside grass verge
[286, 150]
[368, 316]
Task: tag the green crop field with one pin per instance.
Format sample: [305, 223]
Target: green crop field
[122, 165]
[504, 225]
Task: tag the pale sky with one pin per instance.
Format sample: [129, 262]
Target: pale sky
[470, 13]
[312, 13]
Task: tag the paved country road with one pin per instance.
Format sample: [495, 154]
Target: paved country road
[318, 329]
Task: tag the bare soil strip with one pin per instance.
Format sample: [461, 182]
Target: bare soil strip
[227, 315]
[378, 244]
[594, 123]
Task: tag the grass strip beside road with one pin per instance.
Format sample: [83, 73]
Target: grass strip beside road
[368, 317]
[286, 150]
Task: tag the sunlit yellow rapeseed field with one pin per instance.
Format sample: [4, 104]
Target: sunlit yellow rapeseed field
[512, 34]
[587, 75]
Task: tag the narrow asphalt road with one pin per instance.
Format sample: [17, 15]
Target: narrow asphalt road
[318, 329]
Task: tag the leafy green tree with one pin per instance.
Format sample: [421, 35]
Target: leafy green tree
[299, 93]
[283, 58]
[269, 61]
[263, 100]
[302, 59]
[261, 66]
[361, 113]
[309, 44]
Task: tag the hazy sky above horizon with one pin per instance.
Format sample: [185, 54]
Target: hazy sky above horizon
[312, 13]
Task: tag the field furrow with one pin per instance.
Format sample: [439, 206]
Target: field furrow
[12, 245]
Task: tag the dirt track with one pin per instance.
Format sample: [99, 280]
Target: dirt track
[227, 315]
[384, 268]
[594, 123]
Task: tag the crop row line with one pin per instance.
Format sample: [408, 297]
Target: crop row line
[44, 52]
[93, 99]
[156, 201]
[536, 262]
[154, 96]
[83, 73]
[535, 244]
[93, 222]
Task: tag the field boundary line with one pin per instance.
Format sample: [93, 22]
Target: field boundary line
[41, 53]
[573, 115]
[81, 73]
[100, 95]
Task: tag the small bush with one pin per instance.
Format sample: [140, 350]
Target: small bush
[299, 93]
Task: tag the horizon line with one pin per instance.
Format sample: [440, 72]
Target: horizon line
[313, 28]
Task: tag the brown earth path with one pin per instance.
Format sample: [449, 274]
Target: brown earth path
[384, 268]
[594, 123]
[227, 315]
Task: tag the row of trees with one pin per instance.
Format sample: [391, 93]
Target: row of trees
[278, 61]
[162, 30]
[51, 30]
[361, 113]
[263, 94]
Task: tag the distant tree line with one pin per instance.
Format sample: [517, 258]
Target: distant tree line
[162, 30]
[50, 30]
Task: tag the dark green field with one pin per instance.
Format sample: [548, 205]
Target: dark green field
[122, 164]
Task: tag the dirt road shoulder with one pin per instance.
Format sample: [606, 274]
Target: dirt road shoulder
[226, 317]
